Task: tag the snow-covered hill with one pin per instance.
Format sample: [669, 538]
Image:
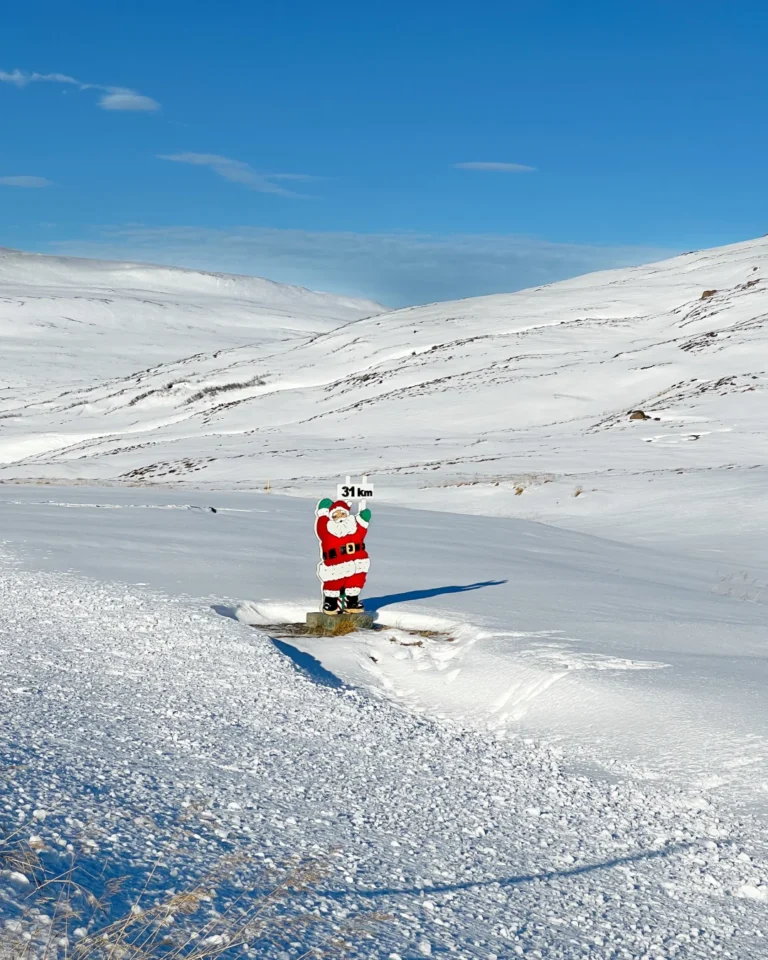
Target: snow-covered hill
[554, 745]
[514, 404]
[65, 320]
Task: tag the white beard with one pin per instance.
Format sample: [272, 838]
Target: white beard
[342, 528]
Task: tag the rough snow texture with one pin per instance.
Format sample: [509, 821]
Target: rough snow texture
[639, 662]
[512, 404]
[122, 705]
[556, 743]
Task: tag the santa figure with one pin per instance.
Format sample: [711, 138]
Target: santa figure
[345, 564]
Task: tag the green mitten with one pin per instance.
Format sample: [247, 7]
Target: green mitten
[325, 504]
[365, 515]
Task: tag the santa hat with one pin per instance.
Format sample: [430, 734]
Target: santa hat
[338, 505]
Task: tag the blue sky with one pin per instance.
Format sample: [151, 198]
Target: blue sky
[404, 151]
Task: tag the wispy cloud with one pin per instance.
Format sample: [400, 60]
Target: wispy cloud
[237, 171]
[20, 79]
[494, 166]
[128, 100]
[394, 268]
[25, 182]
[112, 98]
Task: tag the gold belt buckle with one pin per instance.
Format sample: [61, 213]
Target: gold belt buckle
[350, 548]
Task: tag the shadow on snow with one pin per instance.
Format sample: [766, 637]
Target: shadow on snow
[372, 604]
[305, 662]
[308, 664]
[312, 667]
[375, 603]
[515, 880]
[224, 611]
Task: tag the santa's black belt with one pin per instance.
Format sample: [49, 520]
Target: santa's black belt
[347, 549]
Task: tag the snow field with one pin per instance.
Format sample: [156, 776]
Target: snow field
[510, 405]
[81, 322]
[122, 705]
[638, 662]
[555, 745]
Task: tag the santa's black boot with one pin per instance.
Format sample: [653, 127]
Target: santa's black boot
[331, 605]
[353, 603]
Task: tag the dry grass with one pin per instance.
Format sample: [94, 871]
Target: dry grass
[240, 907]
[216, 389]
[336, 628]
[281, 630]
[426, 634]
[742, 586]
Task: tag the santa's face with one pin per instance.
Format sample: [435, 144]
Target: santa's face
[341, 524]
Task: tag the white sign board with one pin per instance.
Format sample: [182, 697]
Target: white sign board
[354, 491]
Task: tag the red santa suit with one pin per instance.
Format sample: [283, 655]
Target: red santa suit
[345, 563]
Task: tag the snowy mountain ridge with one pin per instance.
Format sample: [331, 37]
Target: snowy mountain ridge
[65, 320]
[512, 404]
[148, 643]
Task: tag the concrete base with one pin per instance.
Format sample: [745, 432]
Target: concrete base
[328, 623]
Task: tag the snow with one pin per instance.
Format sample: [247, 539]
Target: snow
[69, 321]
[510, 405]
[554, 744]
[472, 844]
[634, 656]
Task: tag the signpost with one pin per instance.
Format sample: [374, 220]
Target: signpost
[344, 563]
[362, 491]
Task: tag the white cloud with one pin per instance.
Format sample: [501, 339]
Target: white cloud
[494, 166]
[113, 98]
[25, 182]
[119, 99]
[394, 268]
[237, 171]
[21, 80]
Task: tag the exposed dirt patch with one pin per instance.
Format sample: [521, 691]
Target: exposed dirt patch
[343, 627]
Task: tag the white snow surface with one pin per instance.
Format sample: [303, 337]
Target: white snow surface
[572, 760]
[555, 743]
[511, 405]
[80, 322]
